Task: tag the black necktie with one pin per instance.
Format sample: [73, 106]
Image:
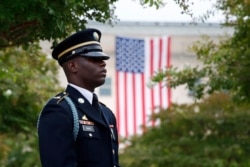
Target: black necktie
[95, 104]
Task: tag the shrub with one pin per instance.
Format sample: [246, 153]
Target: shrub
[212, 133]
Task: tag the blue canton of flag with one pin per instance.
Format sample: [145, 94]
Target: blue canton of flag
[130, 55]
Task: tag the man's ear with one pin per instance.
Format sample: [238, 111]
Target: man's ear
[72, 66]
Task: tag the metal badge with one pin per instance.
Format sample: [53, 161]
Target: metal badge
[81, 100]
[57, 97]
[84, 117]
[112, 134]
[88, 128]
[96, 36]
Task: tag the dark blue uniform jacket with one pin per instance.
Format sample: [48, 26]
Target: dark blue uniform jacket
[97, 141]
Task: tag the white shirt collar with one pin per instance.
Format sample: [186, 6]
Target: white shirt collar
[86, 93]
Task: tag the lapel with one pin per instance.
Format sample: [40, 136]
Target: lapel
[83, 105]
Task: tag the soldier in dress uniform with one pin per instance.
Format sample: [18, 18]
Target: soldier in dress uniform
[96, 142]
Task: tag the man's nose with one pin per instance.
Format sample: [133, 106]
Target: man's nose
[103, 63]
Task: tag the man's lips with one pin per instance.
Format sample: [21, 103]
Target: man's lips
[103, 72]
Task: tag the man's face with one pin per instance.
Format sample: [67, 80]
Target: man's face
[91, 72]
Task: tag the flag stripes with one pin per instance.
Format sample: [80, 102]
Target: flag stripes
[137, 60]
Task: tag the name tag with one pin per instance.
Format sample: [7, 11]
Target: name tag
[88, 128]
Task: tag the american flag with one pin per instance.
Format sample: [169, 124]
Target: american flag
[137, 60]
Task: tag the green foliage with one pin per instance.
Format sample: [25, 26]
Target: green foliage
[22, 150]
[226, 64]
[28, 21]
[27, 78]
[212, 133]
[151, 3]
[4, 148]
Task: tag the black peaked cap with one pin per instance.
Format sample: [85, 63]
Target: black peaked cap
[83, 43]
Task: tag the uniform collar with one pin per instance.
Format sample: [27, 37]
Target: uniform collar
[86, 93]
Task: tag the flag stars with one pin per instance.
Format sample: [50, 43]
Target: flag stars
[130, 55]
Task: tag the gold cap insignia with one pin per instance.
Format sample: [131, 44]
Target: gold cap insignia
[96, 36]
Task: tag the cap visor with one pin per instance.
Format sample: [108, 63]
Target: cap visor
[96, 54]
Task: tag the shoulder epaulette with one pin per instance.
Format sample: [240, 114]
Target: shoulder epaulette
[60, 97]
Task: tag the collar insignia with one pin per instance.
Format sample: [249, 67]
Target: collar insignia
[84, 118]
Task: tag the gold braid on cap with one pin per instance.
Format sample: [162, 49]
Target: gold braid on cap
[77, 46]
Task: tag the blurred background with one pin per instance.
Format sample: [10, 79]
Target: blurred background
[197, 113]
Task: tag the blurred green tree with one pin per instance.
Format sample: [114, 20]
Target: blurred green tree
[211, 133]
[28, 21]
[27, 78]
[23, 22]
[226, 65]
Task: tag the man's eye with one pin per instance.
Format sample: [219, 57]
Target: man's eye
[95, 59]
